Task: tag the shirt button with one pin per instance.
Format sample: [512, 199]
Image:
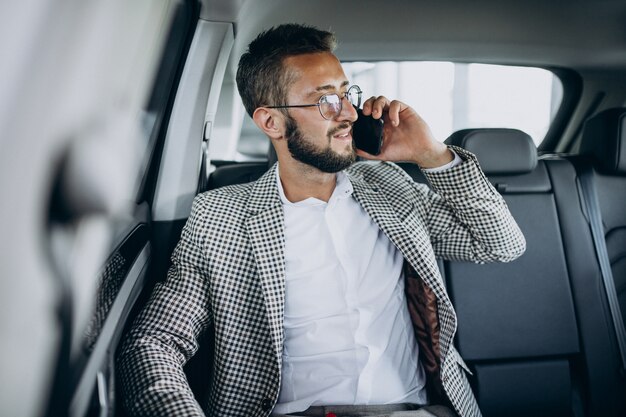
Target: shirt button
[266, 404]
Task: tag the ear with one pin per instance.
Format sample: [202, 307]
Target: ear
[269, 121]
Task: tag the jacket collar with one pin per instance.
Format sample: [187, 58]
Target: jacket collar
[264, 195]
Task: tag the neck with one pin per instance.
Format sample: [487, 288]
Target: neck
[301, 181]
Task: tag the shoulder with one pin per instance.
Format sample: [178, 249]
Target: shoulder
[231, 194]
[383, 173]
[217, 209]
[378, 170]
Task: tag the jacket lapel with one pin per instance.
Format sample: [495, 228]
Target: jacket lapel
[399, 223]
[393, 221]
[265, 227]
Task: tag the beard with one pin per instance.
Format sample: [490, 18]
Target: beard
[323, 158]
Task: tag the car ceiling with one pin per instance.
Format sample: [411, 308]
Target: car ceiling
[574, 34]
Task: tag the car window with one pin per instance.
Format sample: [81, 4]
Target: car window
[453, 96]
[156, 110]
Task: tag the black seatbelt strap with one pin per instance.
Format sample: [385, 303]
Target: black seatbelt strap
[590, 197]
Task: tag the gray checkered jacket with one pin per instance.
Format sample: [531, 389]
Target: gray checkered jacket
[229, 272]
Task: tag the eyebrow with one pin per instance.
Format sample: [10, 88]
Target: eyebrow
[327, 87]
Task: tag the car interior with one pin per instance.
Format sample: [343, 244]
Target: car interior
[114, 116]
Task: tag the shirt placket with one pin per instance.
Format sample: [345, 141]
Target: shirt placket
[338, 218]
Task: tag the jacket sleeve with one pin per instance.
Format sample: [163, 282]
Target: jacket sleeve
[467, 218]
[164, 335]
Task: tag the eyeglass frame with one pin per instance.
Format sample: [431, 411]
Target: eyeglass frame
[319, 103]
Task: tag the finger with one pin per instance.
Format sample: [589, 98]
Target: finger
[380, 105]
[395, 107]
[367, 106]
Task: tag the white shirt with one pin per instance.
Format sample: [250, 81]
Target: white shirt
[348, 333]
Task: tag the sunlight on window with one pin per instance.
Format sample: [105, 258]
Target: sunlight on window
[515, 97]
[452, 96]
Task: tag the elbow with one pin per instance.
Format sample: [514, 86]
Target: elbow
[512, 247]
[506, 249]
[517, 249]
[517, 243]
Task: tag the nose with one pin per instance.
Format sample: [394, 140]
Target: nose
[348, 112]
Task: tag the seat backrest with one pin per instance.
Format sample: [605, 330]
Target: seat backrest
[240, 172]
[604, 143]
[517, 325]
[600, 383]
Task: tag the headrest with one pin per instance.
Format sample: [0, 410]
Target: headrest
[604, 140]
[499, 151]
[272, 158]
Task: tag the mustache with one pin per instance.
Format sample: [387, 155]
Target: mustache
[339, 128]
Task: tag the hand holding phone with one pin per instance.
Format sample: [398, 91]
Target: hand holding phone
[367, 133]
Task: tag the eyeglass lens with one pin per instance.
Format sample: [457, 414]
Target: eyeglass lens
[331, 104]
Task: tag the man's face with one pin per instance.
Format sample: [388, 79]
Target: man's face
[324, 144]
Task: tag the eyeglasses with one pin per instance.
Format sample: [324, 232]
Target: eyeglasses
[331, 105]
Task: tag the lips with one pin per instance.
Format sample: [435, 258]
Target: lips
[344, 135]
[343, 132]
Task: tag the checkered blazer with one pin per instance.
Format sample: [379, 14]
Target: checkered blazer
[229, 271]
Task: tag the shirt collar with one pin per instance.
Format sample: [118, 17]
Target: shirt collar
[343, 189]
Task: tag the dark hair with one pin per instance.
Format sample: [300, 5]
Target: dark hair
[261, 77]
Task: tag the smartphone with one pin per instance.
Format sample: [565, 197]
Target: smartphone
[367, 133]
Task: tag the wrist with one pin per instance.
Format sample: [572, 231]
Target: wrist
[434, 158]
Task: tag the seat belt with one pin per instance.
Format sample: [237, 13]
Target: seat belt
[590, 197]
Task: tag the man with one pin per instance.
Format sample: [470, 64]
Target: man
[320, 278]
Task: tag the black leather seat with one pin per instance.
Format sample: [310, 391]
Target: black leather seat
[241, 173]
[604, 143]
[517, 323]
[536, 330]
[599, 385]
